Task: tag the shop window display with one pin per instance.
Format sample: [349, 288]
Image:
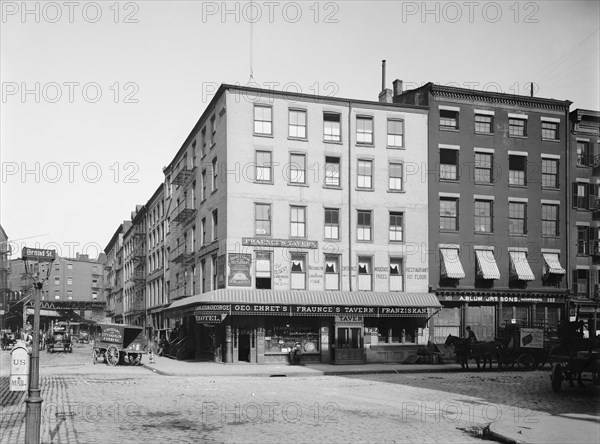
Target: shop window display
[281, 336]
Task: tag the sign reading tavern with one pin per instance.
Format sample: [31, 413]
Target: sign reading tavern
[315, 310]
[283, 243]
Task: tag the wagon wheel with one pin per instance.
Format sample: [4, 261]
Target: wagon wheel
[507, 363]
[526, 361]
[539, 363]
[556, 377]
[112, 355]
[135, 358]
[96, 353]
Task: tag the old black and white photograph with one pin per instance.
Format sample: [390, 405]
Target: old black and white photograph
[301, 221]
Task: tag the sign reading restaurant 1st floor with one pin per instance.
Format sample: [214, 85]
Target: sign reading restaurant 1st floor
[513, 298]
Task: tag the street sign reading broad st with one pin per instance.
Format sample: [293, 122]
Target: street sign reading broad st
[38, 254]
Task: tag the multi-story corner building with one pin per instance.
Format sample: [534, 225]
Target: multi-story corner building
[294, 218]
[114, 274]
[584, 224]
[134, 268]
[498, 207]
[156, 299]
[4, 269]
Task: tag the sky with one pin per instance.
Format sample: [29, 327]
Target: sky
[97, 97]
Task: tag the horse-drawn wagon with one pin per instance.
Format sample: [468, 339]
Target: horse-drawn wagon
[480, 351]
[526, 345]
[118, 344]
[574, 355]
[59, 339]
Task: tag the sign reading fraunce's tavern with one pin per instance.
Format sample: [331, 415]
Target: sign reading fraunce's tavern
[282, 243]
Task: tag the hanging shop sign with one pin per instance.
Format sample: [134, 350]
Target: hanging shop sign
[221, 271]
[210, 318]
[279, 243]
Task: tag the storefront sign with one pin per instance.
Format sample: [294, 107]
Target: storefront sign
[221, 271]
[403, 310]
[349, 319]
[282, 243]
[509, 299]
[210, 318]
[532, 338]
[239, 270]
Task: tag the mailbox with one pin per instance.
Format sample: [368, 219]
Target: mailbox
[19, 369]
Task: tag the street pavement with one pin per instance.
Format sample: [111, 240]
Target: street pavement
[206, 402]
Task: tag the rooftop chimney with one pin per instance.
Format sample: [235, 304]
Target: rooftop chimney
[385, 96]
[383, 75]
[397, 87]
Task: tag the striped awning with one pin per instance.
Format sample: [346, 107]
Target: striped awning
[45, 313]
[553, 264]
[487, 264]
[451, 266]
[310, 303]
[520, 267]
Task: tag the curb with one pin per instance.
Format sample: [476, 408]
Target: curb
[490, 434]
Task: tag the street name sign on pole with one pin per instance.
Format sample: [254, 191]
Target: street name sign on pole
[33, 414]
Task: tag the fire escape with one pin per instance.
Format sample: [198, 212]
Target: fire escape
[182, 256]
[139, 270]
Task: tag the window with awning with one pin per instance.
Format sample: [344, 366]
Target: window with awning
[451, 266]
[520, 268]
[486, 264]
[298, 271]
[553, 264]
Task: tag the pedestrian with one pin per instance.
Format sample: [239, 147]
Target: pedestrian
[471, 335]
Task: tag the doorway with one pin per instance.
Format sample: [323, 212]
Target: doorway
[244, 346]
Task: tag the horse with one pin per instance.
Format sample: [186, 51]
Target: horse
[466, 350]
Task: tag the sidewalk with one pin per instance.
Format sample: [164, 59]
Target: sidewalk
[541, 427]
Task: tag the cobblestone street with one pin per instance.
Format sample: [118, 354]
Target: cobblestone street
[85, 403]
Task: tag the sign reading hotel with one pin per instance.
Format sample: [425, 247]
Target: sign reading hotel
[239, 270]
[202, 318]
[280, 243]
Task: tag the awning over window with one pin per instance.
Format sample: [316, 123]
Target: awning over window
[46, 313]
[520, 266]
[553, 264]
[487, 264]
[451, 266]
[310, 303]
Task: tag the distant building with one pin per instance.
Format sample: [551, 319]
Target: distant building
[113, 270]
[134, 269]
[5, 295]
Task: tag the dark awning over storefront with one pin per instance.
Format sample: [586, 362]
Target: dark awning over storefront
[308, 303]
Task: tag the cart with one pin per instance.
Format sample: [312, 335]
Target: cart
[527, 345]
[118, 344]
[59, 339]
[574, 356]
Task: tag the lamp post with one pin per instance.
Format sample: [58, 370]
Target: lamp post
[33, 412]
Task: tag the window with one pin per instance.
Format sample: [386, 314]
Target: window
[298, 271]
[297, 124]
[448, 213]
[517, 217]
[583, 239]
[263, 166]
[395, 133]
[69, 266]
[56, 294]
[70, 295]
[332, 223]
[365, 173]
[297, 221]
[204, 274]
[262, 219]
[448, 119]
[331, 127]
[364, 225]
[583, 153]
[550, 130]
[483, 216]
[584, 195]
[203, 223]
[214, 174]
[517, 127]
[204, 185]
[263, 270]
[213, 266]
[484, 123]
[332, 171]
[396, 223]
[396, 274]
[517, 166]
[365, 273]
[395, 179]
[215, 225]
[263, 120]
[549, 173]
[582, 282]
[94, 295]
[549, 220]
[364, 130]
[483, 167]
[203, 139]
[69, 280]
[332, 272]
[297, 168]
[213, 130]
[56, 280]
[448, 164]
[94, 282]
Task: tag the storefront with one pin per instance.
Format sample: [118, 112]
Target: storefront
[262, 326]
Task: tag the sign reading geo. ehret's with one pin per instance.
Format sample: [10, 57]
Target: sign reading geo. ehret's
[38, 254]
